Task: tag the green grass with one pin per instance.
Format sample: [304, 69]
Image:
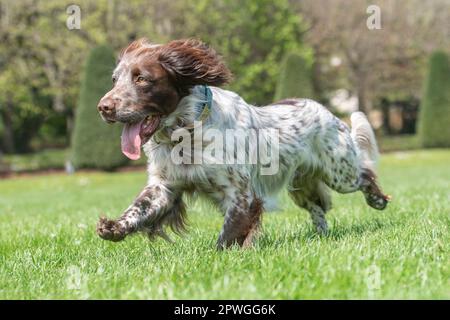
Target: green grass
[49, 249]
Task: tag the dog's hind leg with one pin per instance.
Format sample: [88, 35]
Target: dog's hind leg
[372, 192]
[346, 176]
[313, 196]
[364, 138]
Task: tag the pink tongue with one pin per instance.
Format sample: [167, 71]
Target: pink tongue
[131, 141]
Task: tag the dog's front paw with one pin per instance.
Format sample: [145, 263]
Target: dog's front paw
[110, 230]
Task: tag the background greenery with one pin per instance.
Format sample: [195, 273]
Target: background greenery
[41, 59]
[96, 145]
[435, 111]
[57, 158]
[294, 79]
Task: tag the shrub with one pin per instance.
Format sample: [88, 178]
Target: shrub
[295, 78]
[434, 118]
[96, 144]
[253, 36]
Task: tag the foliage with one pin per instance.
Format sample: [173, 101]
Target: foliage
[50, 249]
[42, 160]
[47, 159]
[401, 142]
[96, 144]
[434, 120]
[253, 36]
[295, 78]
[26, 108]
[40, 56]
[56, 158]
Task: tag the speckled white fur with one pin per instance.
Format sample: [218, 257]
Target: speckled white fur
[316, 152]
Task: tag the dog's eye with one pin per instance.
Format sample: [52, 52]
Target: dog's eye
[114, 79]
[141, 79]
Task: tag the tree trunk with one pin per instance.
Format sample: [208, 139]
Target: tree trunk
[69, 127]
[385, 105]
[362, 94]
[8, 137]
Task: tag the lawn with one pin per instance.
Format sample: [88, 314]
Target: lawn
[49, 249]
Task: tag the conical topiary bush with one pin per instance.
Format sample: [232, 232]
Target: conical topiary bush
[96, 144]
[434, 114]
[295, 78]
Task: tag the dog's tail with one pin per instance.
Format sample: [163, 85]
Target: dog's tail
[364, 138]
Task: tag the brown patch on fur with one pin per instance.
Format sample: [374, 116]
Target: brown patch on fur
[110, 230]
[255, 213]
[241, 224]
[168, 71]
[369, 186]
[371, 180]
[135, 45]
[191, 62]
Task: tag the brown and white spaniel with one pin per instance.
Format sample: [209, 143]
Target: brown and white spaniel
[169, 100]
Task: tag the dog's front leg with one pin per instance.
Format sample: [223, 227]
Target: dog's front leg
[147, 209]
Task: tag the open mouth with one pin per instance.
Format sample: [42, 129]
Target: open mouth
[135, 135]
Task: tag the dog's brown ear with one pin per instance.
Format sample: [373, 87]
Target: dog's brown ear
[133, 46]
[191, 62]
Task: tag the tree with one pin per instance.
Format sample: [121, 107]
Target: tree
[23, 109]
[376, 63]
[96, 144]
[295, 78]
[434, 118]
[43, 54]
[253, 36]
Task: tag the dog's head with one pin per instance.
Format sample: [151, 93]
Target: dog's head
[149, 82]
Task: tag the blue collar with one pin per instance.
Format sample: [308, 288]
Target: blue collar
[206, 106]
[203, 108]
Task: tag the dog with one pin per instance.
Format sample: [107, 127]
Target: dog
[159, 89]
